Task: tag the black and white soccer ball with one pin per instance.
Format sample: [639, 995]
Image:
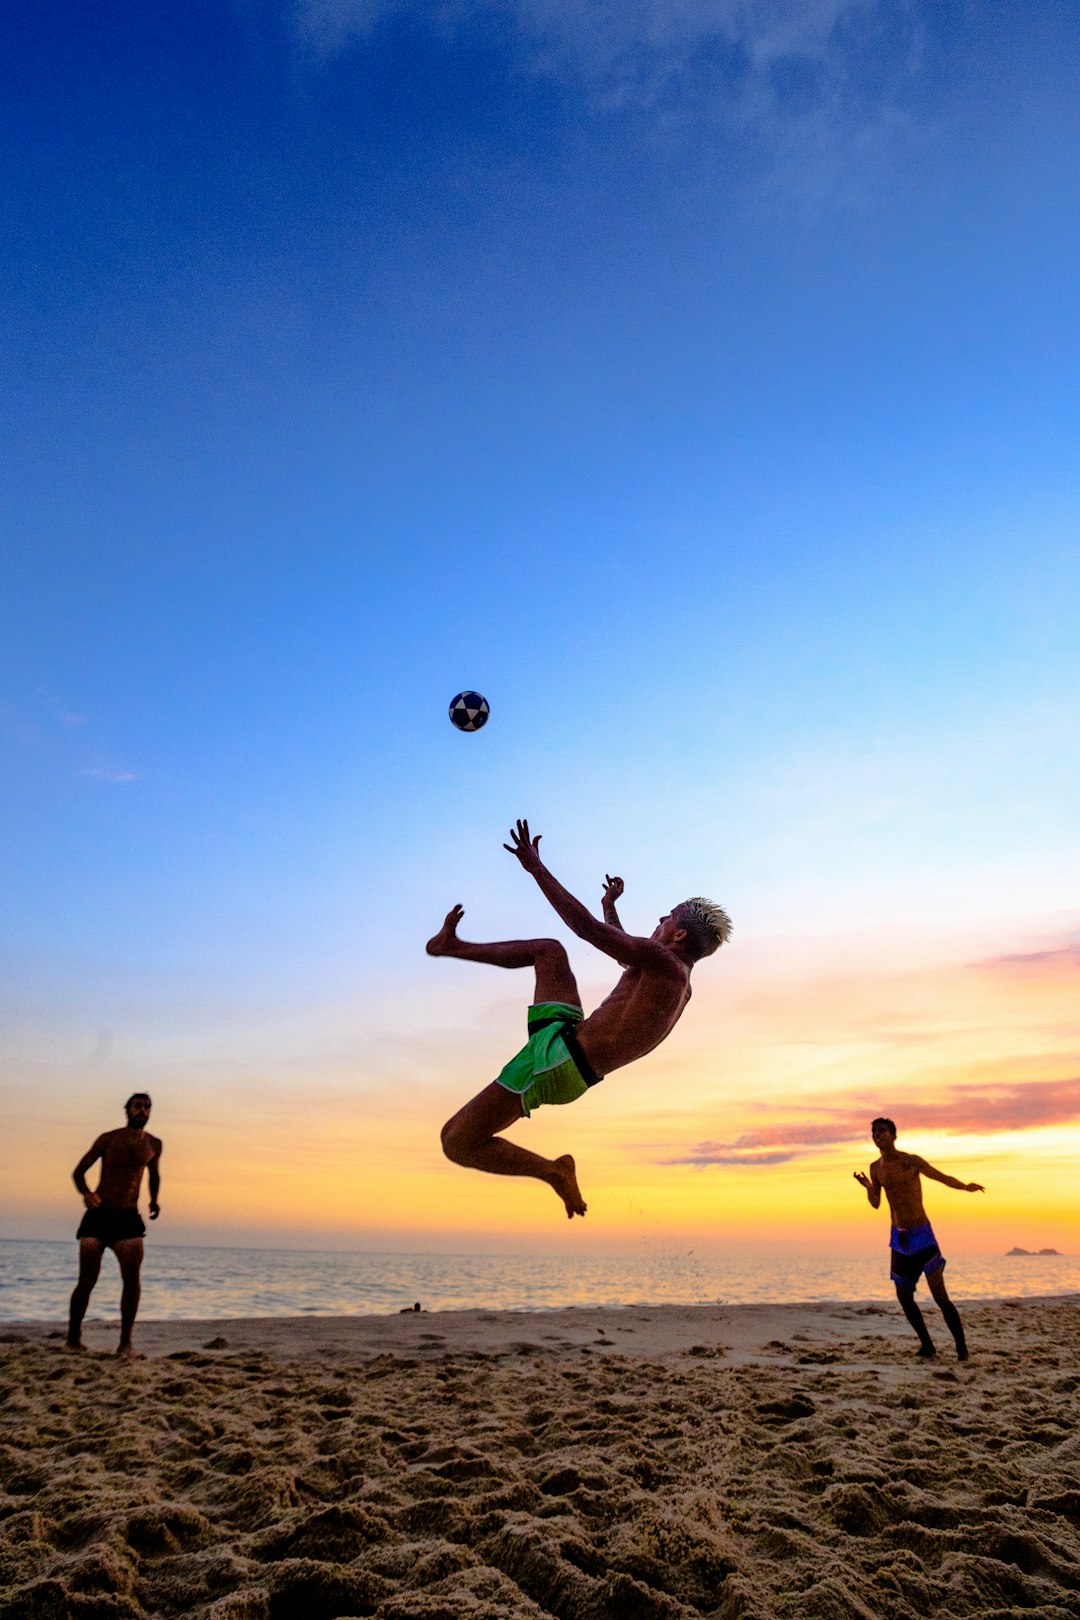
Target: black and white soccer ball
[469, 711]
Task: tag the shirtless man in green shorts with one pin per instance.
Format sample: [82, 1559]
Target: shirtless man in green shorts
[566, 1052]
[112, 1219]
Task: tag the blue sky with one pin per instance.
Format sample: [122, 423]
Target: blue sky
[697, 381]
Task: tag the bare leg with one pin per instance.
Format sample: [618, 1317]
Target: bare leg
[936, 1284]
[470, 1139]
[554, 979]
[90, 1252]
[129, 1252]
[906, 1296]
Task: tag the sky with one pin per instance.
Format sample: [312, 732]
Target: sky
[698, 382]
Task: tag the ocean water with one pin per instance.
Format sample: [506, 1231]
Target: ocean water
[36, 1279]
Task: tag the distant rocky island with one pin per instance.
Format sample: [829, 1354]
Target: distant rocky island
[1031, 1253]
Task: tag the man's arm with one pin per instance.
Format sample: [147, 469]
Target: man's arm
[872, 1185]
[613, 889]
[153, 1177]
[925, 1169]
[627, 949]
[78, 1175]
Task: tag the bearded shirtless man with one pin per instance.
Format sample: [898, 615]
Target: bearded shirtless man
[913, 1249]
[566, 1052]
[112, 1219]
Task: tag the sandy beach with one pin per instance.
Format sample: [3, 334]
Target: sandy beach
[638, 1464]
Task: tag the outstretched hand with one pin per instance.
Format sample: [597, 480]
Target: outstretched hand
[973, 1186]
[525, 847]
[613, 889]
[862, 1179]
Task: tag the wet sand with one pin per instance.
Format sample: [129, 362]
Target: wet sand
[639, 1464]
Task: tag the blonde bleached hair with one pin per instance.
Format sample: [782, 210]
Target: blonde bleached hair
[708, 926]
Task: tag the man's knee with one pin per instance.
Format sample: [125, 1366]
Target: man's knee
[551, 953]
[906, 1296]
[455, 1141]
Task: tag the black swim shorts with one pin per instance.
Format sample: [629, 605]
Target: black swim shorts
[111, 1226]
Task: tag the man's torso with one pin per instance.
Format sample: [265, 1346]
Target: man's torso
[900, 1181]
[125, 1155]
[640, 1012]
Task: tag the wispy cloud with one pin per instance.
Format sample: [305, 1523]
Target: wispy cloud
[1026, 1106]
[709, 1154]
[35, 718]
[798, 56]
[816, 94]
[1062, 956]
[969, 1110]
[108, 773]
[775, 1144]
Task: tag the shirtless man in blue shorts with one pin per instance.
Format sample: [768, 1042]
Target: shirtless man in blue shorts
[913, 1249]
[566, 1052]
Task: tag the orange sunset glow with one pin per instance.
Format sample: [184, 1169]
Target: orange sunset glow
[743, 1131]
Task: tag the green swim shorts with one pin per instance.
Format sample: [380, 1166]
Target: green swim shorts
[551, 1067]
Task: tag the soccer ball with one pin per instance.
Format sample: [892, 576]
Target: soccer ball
[469, 711]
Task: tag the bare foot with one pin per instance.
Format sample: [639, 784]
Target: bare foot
[76, 1347]
[564, 1181]
[442, 943]
[128, 1354]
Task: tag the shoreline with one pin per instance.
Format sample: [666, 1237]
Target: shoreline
[775, 1333]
